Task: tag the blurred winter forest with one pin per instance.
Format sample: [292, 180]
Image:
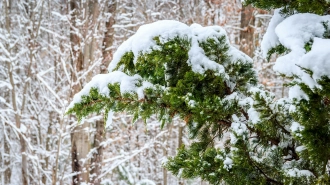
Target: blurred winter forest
[50, 48]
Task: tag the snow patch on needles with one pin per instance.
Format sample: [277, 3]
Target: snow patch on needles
[298, 29]
[239, 129]
[294, 172]
[296, 127]
[128, 84]
[270, 38]
[143, 42]
[294, 33]
[227, 163]
[318, 59]
[296, 92]
[254, 116]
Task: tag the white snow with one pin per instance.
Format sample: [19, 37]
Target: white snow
[270, 38]
[296, 127]
[143, 39]
[298, 29]
[109, 119]
[254, 116]
[300, 148]
[294, 172]
[192, 103]
[143, 42]
[238, 128]
[23, 128]
[203, 33]
[128, 84]
[294, 33]
[227, 163]
[237, 55]
[318, 59]
[296, 92]
[231, 97]
[268, 96]
[246, 102]
[146, 182]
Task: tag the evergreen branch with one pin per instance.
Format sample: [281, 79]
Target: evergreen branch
[260, 170]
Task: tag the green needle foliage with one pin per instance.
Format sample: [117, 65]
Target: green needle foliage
[313, 115]
[271, 141]
[290, 7]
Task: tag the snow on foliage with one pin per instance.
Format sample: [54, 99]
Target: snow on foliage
[149, 38]
[294, 33]
[270, 39]
[317, 60]
[303, 39]
[128, 84]
[306, 47]
[194, 73]
[144, 40]
[170, 69]
[227, 163]
[298, 173]
[296, 92]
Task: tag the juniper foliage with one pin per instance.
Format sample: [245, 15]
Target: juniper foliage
[271, 141]
[290, 7]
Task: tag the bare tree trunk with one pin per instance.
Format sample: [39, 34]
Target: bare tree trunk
[180, 136]
[18, 125]
[49, 134]
[80, 148]
[97, 158]
[7, 11]
[165, 136]
[247, 32]
[24, 161]
[180, 131]
[96, 161]
[108, 37]
[6, 159]
[79, 137]
[55, 167]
